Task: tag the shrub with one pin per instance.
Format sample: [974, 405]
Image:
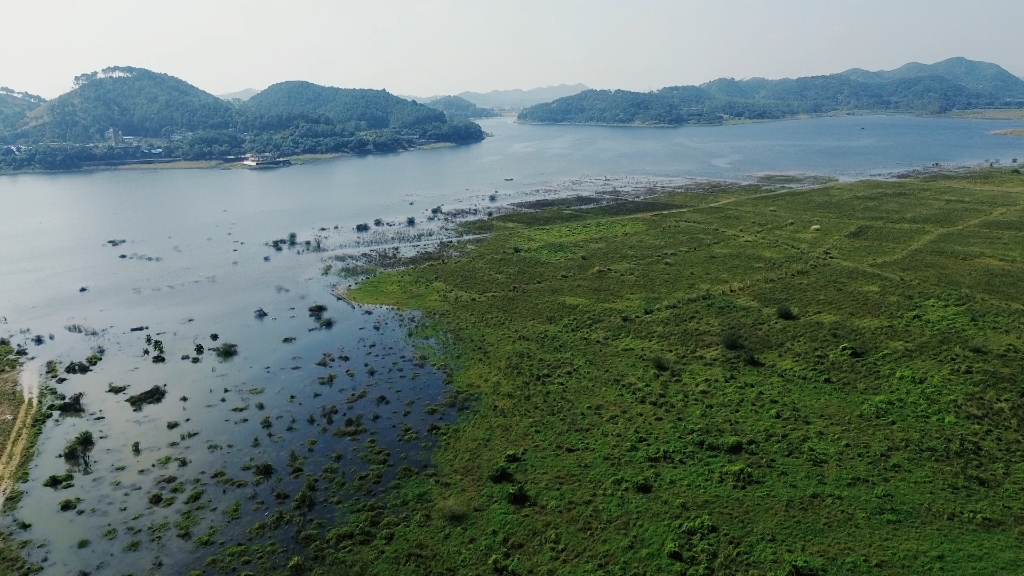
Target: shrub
[58, 480]
[263, 470]
[77, 451]
[751, 359]
[227, 351]
[500, 474]
[731, 340]
[364, 227]
[154, 395]
[517, 495]
[977, 348]
[662, 364]
[784, 312]
[410, 221]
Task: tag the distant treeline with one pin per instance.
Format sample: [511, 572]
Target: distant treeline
[955, 84]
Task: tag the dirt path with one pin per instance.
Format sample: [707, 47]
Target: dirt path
[20, 434]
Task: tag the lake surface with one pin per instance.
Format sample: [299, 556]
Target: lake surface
[196, 261]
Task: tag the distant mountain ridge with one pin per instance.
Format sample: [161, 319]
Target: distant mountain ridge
[978, 76]
[954, 84]
[516, 98]
[522, 98]
[242, 95]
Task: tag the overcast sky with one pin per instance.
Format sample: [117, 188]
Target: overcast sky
[444, 47]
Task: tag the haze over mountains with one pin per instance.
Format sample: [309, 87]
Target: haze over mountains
[242, 95]
[954, 84]
[513, 98]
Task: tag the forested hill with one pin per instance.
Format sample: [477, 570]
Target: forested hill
[169, 118]
[14, 106]
[302, 118]
[983, 77]
[937, 89]
[286, 104]
[136, 101]
[457, 107]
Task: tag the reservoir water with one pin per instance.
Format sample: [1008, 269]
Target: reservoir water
[336, 407]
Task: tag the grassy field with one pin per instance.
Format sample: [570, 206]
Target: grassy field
[10, 397]
[822, 381]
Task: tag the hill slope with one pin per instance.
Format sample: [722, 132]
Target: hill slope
[14, 106]
[914, 89]
[137, 101]
[978, 76]
[287, 104]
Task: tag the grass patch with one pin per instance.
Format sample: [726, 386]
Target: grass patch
[669, 416]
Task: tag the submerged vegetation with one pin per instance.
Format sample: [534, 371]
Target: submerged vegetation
[819, 381]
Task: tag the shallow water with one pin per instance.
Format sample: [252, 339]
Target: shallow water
[196, 262]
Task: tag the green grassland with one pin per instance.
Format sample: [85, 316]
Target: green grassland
[705, 383]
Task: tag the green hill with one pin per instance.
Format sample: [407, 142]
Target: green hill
[173, 119]
[982, 77]
[292, 118]
[14, 106]
[136, 101]
[457, 107]
[955, 84]
[288, 104]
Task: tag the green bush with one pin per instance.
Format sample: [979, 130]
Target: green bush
[731, 340]
[784, 312]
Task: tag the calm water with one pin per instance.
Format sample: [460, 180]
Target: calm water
[196, 262]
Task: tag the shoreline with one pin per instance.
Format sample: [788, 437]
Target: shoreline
[979, 114]
[181, 164]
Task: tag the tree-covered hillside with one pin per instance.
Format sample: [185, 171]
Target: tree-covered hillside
[14, 106]
[302, 118]
[982, 77]
[987, 85]
[173, 119]
[457, 107]
[136, 101]
[289, 104]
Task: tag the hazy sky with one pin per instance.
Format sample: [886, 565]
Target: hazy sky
[444, 47]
